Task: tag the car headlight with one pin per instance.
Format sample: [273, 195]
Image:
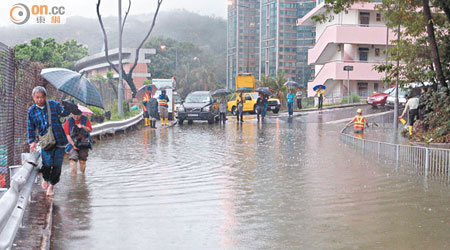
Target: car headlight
[206, 109]
[278, 101]
[181, 109]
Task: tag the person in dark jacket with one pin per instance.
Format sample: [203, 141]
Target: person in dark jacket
[260, 106]
[152, 108]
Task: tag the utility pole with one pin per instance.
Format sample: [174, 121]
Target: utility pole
[396, 84]
[120, 85]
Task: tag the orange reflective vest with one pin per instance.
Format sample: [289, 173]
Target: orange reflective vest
[163, 102]
[146, 97]
[359, 122]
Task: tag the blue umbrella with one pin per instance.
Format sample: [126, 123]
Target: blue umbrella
[244, 90]
[73, 84]
[320, 85]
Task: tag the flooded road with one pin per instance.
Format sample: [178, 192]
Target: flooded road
[277, 185]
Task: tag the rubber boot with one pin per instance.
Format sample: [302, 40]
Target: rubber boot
[162, 122]
[146, 122]
[167, 121]
[410, 128]
[152, 124]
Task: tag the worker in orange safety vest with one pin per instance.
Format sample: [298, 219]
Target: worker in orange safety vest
[359, 122]
[145, 99]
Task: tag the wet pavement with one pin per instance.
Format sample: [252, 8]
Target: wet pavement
[283, 184]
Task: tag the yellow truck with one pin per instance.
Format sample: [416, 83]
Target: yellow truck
[247, 80]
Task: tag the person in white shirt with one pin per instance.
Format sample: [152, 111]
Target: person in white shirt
[412, 106]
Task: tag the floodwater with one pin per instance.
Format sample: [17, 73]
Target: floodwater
[278, 185]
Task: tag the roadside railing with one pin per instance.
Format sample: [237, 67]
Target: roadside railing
[113, 127]
[426, 160]
[15, 200]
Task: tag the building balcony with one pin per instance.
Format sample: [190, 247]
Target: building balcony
[331, 40]
[334, 71]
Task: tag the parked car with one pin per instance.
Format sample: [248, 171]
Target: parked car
[401, 99]
[177, 101]
[250, 103]
[198, 105]
[379, 99]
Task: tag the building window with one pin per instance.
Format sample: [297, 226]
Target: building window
[364, 18]
[363, 89]
[375, 86]
[377, 52]
[363, 54]
[378, 17]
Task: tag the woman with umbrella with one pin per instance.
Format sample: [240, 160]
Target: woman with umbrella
[223, 103]
[223, 108]
[290, 102]
[240, 107]
[320, 92]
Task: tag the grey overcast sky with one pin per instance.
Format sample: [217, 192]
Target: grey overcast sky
[86, 8]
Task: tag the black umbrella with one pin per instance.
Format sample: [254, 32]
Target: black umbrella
[221, 92]
[292, 85]
[244, 90]
[264, 90]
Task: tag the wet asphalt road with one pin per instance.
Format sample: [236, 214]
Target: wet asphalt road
[282, 184]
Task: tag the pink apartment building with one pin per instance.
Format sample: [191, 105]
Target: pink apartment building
[357, 38]
[97, 64]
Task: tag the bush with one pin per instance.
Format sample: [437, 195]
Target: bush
[354, 99]
[436, 122]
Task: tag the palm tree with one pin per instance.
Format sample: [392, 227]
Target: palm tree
[266, 81]
[279, 88]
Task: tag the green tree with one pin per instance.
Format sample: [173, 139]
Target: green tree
[50, 53]
[278, 87]
[194, 68]
[266, 81]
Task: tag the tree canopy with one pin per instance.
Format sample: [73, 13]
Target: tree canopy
[50, 53]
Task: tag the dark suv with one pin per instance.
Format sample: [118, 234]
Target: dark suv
[198, 105]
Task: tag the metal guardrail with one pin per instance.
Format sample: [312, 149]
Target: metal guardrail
[112, 127]
[429, 161]
[15, 200]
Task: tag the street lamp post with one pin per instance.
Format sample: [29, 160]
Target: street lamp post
[396, 84]
[252, 24]
[348, 68]
[120, 85]
[164, 47]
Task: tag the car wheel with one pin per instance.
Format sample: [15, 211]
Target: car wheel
[211, 121]
[233, 111]
[275, 111]
[180, 121]
[190, 121]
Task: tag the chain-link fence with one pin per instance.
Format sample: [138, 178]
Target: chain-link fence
[17, 80]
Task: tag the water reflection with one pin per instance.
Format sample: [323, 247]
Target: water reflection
[271, 185]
